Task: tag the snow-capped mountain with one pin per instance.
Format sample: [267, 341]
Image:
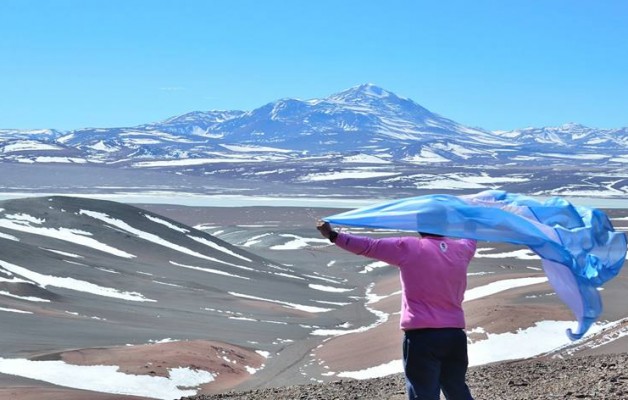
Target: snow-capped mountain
[39, 134]
[365, 136]
[196, 123]
[569, 135]
[365, 119]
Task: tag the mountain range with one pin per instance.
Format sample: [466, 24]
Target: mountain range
[379, 138]
[365, 119]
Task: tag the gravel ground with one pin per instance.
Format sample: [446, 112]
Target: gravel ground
[603, 377]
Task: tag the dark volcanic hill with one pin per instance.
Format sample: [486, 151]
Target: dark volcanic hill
[80, 273]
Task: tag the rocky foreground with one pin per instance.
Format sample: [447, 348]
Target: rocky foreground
[603, 377]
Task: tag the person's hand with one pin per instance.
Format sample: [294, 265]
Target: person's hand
[324, 228]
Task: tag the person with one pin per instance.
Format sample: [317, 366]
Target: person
[433, 275]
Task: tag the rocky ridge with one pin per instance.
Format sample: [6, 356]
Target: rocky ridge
[600, 377]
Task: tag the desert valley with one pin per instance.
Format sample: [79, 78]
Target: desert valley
[181, 258]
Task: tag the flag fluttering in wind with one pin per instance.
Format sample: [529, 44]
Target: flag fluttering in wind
[578, 246]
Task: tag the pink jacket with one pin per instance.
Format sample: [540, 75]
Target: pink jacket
[433, 273]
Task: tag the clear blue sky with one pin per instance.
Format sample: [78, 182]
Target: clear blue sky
[501, 64]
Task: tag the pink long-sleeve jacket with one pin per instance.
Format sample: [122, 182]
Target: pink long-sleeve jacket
[433, 273]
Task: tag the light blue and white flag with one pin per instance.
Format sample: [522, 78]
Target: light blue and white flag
[579, 248]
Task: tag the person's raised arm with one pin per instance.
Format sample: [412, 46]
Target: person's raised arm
[389, 250]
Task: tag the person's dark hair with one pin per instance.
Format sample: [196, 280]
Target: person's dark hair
[424, 234]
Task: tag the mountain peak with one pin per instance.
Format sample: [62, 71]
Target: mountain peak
[573, 126]
[367, 91]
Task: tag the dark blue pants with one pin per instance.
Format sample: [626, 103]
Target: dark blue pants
[434, 360]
